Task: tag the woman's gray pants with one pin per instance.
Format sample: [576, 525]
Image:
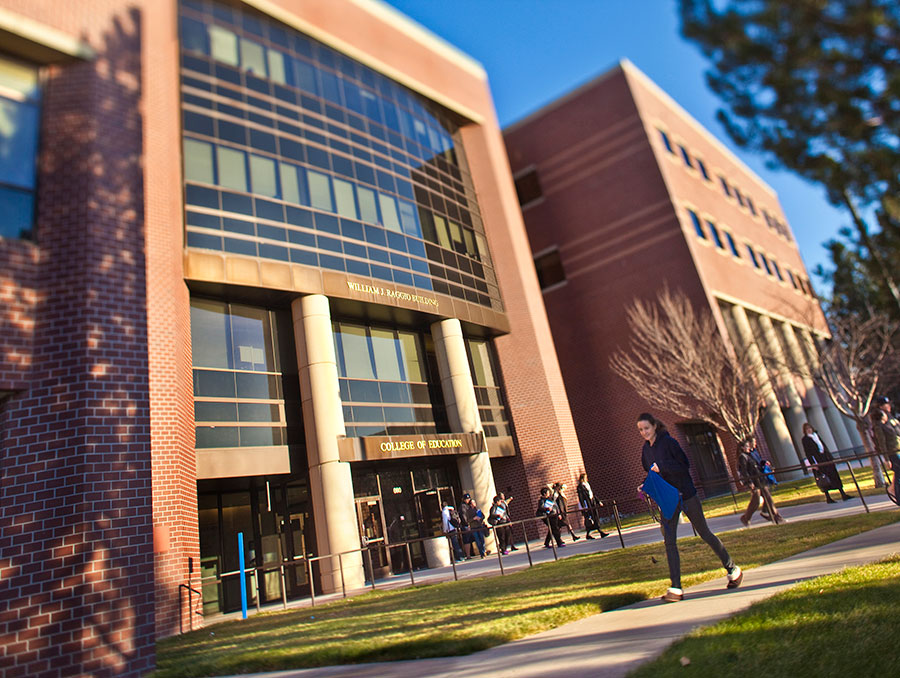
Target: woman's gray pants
[694, 511]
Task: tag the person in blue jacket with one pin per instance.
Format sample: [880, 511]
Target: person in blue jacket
[663, 455]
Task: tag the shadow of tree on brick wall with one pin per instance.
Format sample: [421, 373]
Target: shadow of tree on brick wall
[76, 558]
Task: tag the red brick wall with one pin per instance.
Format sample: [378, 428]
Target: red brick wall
[75, 517]
[607, 209]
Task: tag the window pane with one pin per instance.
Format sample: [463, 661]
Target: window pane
[355, 343]
[18, 142]
[343, 196]
[290, 184]
[252, 339]
[17, 208]
[276, 66]
[210, 341]
[412, 359]
[223, 45]
[262, 176]
[232, 168]
[253, 58]
[368, 212]
[20, 79]
[483, 375]
[441, 227]
[198, 162]
[408, 219]
[389, 212]
[319, 191]
[384, 346]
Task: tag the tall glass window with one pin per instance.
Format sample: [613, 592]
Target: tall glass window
[239, 393]
[19, 125]
[489, 394]
[388, 381]
[295, 152]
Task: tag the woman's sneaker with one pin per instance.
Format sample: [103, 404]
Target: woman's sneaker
[673, 595]
[735, 577]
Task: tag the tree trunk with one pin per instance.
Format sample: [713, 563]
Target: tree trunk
[877, 475]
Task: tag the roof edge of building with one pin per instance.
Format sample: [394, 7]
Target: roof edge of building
[633, 71]
[400, 22]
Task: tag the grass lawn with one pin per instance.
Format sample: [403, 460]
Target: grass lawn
[466, 616]
[844, 625]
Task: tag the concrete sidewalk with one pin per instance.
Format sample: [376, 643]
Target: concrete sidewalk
[610, 644]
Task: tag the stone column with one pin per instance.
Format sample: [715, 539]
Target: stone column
[475, 473]
[795, 415]
[330, 485]
[773, 424]
[845, 437]
[814, 411]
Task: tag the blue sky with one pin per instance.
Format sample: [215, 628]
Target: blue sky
[536, 50]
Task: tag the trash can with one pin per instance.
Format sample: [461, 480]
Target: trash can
[437, 552]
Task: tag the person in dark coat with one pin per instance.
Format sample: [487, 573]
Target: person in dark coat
[887, 442]
[559, 496]
[663, 455]
[751, 473]
[817, 453]
[588, 504]
[549, 511]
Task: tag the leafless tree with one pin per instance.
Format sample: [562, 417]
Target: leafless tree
[676, 360]
[853, 365]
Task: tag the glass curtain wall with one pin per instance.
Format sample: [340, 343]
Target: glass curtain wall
[242, 396]
[19, 126]
[388, 382]
[295, 152]
[488, 391]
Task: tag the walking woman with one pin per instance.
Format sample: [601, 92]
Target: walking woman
[559, 494]
[663, 455]
[817, 453]
[588, 504]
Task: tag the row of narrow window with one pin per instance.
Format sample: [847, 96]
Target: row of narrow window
[725, 241]
[730, 190]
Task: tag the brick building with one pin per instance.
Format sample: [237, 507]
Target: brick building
[263, 271]
[622, 192]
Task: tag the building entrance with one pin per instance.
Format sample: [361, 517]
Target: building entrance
[705, 453]
[273, 515]
[408, 494]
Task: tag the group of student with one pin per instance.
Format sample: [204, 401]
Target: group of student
[468, 526]
[553, 508]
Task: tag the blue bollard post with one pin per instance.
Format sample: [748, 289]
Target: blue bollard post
[241, 575]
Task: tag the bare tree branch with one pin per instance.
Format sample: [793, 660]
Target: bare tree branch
[677, 361]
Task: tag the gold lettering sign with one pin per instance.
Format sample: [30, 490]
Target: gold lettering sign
[379, 291]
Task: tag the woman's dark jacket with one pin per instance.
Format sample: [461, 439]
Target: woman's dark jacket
[816, 457]
[673, 463]
[887, 443]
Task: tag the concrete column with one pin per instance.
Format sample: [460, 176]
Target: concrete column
[775, 429]
[815, 413]
[794, 415]
[852, 431]
[475, 473]
[844, 438]
[330, 484]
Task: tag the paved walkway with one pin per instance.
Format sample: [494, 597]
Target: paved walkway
[610, 644]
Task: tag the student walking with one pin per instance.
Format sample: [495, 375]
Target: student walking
[751, 472]
[559, 496]
[817, 453]
[662, 454]
[549, 511]
[588, 505]
[887, 444]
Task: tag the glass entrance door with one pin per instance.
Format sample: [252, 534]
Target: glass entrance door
[371, 528]
[703, 446]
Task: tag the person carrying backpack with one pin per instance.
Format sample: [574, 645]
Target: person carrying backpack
[752, 474]
[549, 511]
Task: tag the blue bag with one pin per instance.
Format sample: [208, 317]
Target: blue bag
[666, 496]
